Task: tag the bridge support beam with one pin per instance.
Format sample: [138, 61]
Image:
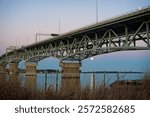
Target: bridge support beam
[31, 68]
[70, 77]
[13, 68]
[2, 69]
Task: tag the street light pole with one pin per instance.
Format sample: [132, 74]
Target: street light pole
[96, 11]
[59, 26]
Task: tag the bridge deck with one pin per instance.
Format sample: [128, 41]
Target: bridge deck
[127, 17]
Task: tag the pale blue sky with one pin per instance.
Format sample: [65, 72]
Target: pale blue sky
[20, 20]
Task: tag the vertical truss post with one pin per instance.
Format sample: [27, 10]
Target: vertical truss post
[147, 31]
[68, 47]
[107, 43]
[134, 42]
[55, 50]
[119, 43]
[96, 42]
[109, 38]
[126, 35]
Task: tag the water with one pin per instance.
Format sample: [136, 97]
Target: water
[107, 78]
[51, 80]
[44, 81]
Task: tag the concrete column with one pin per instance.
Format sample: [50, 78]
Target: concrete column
[31, 82]
[14, 78]
[2, 77]
[31, 68]
[70, 77]
[70, 70]
[13, 68]
[2, 69]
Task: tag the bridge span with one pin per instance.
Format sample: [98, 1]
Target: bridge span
[130, 31]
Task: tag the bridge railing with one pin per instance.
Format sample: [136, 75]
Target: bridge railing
[114, 18]
[108, 20]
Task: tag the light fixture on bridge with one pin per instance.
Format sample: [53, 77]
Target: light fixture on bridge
[41, 34]
[139, 8]
[54, 35]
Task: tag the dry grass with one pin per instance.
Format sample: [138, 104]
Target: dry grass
[12, 89]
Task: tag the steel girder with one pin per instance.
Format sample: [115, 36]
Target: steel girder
[87, 45]
[127, 32]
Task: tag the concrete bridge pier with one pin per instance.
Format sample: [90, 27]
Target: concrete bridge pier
[31, 75]
[31, 82]
[13, 68]
[70, 77]
[2, 69]
[31, 68]
[14, 78]
[2, 78]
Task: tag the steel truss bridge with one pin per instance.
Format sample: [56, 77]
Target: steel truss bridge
[130, 31]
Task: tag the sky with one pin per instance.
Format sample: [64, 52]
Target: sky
[20, 20]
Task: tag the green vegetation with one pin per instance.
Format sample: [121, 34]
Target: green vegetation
[13, 89]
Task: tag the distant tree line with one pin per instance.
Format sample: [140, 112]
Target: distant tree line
[38, 71]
